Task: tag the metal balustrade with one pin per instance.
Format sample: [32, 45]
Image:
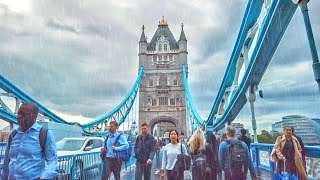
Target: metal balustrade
[261, 153]
[77, 166]
[89, 165]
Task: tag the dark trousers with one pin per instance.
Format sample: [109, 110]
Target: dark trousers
[111, 165]
[175, 175]
[235, 176]
[143, 169]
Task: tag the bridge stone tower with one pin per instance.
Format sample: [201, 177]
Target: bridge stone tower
[162, 94]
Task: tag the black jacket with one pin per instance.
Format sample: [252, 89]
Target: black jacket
[144, 149]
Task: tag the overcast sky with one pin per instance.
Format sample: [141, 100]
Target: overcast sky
[80, 58]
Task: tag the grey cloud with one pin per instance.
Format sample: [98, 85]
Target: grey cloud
[83, 58]
[59, 26]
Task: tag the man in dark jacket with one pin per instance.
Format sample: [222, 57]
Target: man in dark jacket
[245, 138]
[303, 149]
[144, 151]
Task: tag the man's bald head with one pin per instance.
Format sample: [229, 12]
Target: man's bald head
[27, 115]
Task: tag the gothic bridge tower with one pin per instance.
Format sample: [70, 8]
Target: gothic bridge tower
[162, 95]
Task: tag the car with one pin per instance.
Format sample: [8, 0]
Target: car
[67, 147]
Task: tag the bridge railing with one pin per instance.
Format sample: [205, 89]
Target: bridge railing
[261, 153]
[76, 166]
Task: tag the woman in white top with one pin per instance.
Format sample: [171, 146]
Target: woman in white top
[169, 157]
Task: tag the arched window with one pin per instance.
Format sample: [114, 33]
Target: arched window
[163, 81]
[165, 47]
[160, 47]
[175, 82]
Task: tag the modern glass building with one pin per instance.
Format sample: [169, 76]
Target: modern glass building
[306, 128]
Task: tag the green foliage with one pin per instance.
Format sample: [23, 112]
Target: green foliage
[265, 137]
[276, 134]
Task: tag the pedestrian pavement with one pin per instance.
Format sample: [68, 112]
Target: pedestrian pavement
[129, 172]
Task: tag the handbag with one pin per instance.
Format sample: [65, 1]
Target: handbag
[183, 161]
[273, 156]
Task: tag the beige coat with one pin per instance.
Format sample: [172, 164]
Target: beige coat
[279, 145]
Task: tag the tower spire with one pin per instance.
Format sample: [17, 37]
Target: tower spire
[182, 35]
[143, 37]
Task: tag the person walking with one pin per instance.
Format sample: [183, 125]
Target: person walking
[31, 151]
[214, 163]
[144, 151]
[201, 154]
[232, 149]
[288, 151]
[169, 158]
[303, 149]
[245, 138]
[113, 143]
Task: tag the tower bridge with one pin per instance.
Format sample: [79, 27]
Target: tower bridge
[165, 100]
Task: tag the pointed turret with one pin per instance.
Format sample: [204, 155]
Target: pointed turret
[143, 43]
[143, 37]
[182, 35]
[182, 41]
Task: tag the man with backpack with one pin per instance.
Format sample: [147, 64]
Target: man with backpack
[234, 157]
[114, 144]
[31, 150]
[144, 151]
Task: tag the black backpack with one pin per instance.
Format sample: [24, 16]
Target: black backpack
[42, 138]
[200, 165]
[236, 159]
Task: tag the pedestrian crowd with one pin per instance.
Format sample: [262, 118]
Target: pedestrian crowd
[31, 153]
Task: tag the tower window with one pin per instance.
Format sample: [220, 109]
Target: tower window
[150, 82]
[163, 81]
[154, 102]
[163, 101]
[165, 47]
[160, 47]
[172, 102]
[175, 82]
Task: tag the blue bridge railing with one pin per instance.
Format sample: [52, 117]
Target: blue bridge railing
[77, 166]
[89, 165]
[261, 153]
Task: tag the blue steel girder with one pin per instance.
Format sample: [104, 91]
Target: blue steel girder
[270, 34]
[8, 87]
[117, 113]
[189, 101]
[8, 116]
[250, 17]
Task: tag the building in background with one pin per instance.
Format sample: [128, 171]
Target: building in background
[162, 94]
[238, 127]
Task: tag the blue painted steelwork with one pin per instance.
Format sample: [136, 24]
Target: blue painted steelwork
[11, 88]
[120, 113]
[312, 155]
[125, 106]
[312, 44]
[190, 106]
[8, 116]
[78, 165]
[271, 32]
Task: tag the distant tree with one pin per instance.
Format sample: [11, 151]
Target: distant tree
[276, 134]
[265, 137]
